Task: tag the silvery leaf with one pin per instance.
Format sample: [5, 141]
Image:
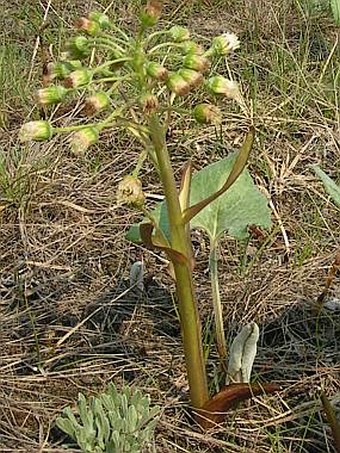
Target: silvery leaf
[242, 354]
[136, 276]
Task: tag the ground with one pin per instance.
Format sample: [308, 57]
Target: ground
[67, 326]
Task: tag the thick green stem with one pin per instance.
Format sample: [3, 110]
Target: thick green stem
[190, 322]
[220, 337]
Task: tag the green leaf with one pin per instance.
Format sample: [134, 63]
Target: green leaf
[66, 425]
[331, 188]
[242, 205]
[236, 170]
[335, 5]
[160, 214]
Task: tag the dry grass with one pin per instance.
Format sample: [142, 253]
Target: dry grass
[69, 323]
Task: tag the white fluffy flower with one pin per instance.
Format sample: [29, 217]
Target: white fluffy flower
[224, 44]
[232, 41]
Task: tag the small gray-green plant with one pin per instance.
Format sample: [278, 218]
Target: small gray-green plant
[112, 422]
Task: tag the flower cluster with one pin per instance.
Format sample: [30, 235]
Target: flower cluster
[125, 59]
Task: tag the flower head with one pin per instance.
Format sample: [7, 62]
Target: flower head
[96, 103]
[78, 47]
[224, 44]
[149, 103]
[223, 86]
[51, 95]
[194, 78]
[179, 34]
[36, 131]
[228, 88]
[207, 113]
[101, 18]
[58, 70]
[157, 71]
[130, 192]
[78, 78]
[151, 13]
[81, 140]
[178, 85]
[90, 27]
[191, 47]
[196, 62]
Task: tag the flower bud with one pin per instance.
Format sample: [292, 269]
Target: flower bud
[101, 18]
[151, 13]
[157, 71]
[130, 192]
[191, 47]
[51, 95]
[178, 85]
[179, 34]
[194, 78]
[61, 69]
[74, 64]
[221, 85]
[90, 27]
[196, 62]
[224, 44]
[78, 48]
[96, 103]
[36, 131]
[81, 140]
[149, 103]
[207, 113]
[58, 70]
[78, 78]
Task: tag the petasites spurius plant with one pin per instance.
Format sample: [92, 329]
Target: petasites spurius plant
[141, 84]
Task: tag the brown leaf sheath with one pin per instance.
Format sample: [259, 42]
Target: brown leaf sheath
[213, 412]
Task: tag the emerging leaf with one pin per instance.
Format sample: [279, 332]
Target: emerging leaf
[242, 354]
[136, 276]
[331, 188]
[335, 5]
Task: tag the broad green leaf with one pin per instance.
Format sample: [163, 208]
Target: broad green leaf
[240, 206]
[331, 188]
[236, 170]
